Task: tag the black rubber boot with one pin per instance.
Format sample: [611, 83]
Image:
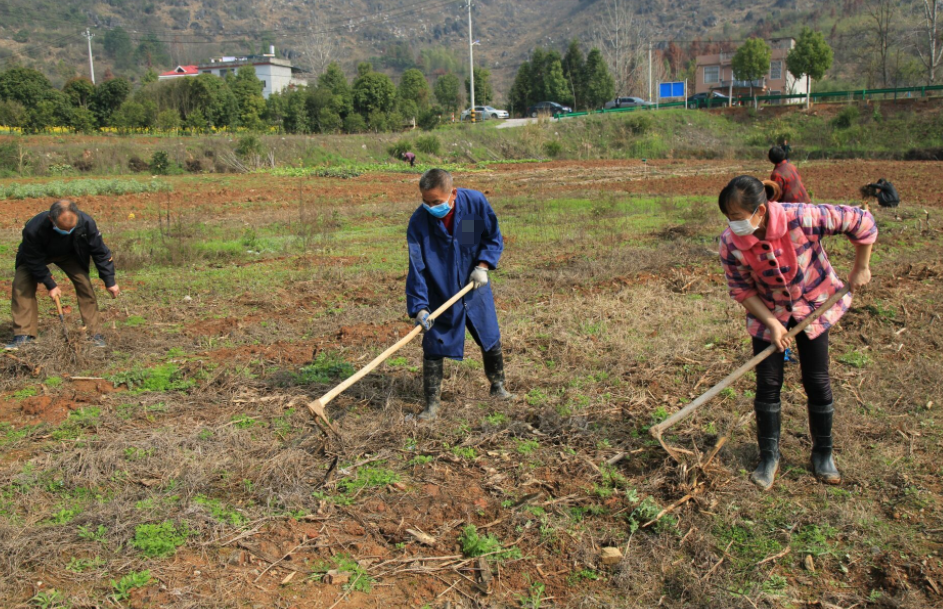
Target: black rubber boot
[494, 370]
[768, 423]
[820, 427]
[431, 387]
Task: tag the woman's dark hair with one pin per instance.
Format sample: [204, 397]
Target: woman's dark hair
[743, 192]
[776, 155]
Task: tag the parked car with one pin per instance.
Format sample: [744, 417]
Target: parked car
[714, 99]
[627, 102]
[547, 108]
[483, 113]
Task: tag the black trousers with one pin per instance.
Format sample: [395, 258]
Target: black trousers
[813, 361]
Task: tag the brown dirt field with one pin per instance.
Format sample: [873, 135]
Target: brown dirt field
[826, 180]
[600, 337]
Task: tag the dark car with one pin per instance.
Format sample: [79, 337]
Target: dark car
[714, 99]
[547, 109]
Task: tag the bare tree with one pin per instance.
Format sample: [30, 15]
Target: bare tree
[932, 54]
[619, 37]
[318, 46]
[883, 15]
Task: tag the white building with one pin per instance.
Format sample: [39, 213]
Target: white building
[276, 74]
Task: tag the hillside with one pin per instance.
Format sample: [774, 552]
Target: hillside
[312, 31]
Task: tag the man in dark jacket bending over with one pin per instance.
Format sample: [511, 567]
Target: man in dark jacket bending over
[68, 238]
[453, 239]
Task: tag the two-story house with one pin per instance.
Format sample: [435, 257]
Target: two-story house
[276, 74]
[714, 73]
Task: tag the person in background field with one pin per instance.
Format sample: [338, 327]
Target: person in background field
[410, 158]
[68, 238]
[453, 239]
[785, 174]
[787, 149]
[777, 269]
[884, 191]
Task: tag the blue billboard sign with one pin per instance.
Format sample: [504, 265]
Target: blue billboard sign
[671, 89]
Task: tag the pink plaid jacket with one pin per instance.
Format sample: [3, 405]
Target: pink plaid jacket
[789, 270]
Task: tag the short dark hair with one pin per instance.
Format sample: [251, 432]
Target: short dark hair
[63, 206]
[776, 155]
[435, 179]
[743, 192]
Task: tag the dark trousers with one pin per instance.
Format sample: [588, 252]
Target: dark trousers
[25, 307]
[813, 361]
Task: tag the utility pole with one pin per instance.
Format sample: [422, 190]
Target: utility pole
[649, 70]
[91, 63]
[471, 64]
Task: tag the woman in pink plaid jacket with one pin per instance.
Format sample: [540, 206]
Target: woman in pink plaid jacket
[777, 269]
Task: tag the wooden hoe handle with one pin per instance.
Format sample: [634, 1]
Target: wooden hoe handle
[59, 306]
[657, 430]
[317, 407]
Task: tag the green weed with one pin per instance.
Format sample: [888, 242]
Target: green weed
[162, 539]
[163, 377]
[360, 580]
[82, 565]
[421, 460]
[53, 381]
[221, 511]
[25, 392]
[465, 452]
[324, 368]
[368, 477]
[123, 587]
[526, 447]
[50, 599]
[473, 545]
[855, 359]
[535, 597]
[99, 534]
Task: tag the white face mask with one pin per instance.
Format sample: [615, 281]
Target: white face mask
[742, 228]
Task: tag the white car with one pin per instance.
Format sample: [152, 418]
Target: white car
[483, 113]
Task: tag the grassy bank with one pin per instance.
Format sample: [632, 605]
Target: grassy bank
[912, 130]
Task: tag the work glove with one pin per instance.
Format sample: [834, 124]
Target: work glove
[424, 319]
[479, 277]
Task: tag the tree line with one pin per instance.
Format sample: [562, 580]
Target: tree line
[334, 104]
[583, 83]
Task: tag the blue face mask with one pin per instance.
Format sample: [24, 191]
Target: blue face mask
[439, 211]
[62, 232]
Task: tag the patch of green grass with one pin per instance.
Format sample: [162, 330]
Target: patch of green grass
[10, 436]
[163, 377]
[58, 189]
[583, 575]
[50, 599]
[123, 587]
[53, 381]
[161, 539]
[325, 368]
[25, 392]
[344, 500]
[536, 397]
[421, 460]
[137, 454]
[63, 516]
[814, 539]
[220, 511]
[526, 447]
[134, 321]
[368, 477]
[855, 359]
[474, 545]
[535, 596]
[496, 418]
[360, 580]
[465, 452]
[244, 421]
[99, 534]
[751, 543]
[81, 565]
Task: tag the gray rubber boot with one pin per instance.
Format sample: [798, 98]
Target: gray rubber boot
[431, 387]
[768, 424]
[820, 427]
[494, 370]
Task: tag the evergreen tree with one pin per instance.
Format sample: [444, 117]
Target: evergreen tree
[247, 88]
[447, 91]
[600, 85]
[555, 83]
[373, 92]
[415, 88]
[79, 91]
[108, 97]
[574, 70]
[118, 47]
[521, 94]
[483, 91]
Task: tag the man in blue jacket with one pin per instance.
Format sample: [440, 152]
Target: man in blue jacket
[68, 238]
[453, 239]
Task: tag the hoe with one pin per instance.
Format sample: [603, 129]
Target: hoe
[317, 407]
[658, 430]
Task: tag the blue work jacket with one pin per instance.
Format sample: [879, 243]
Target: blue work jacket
[440, 265]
